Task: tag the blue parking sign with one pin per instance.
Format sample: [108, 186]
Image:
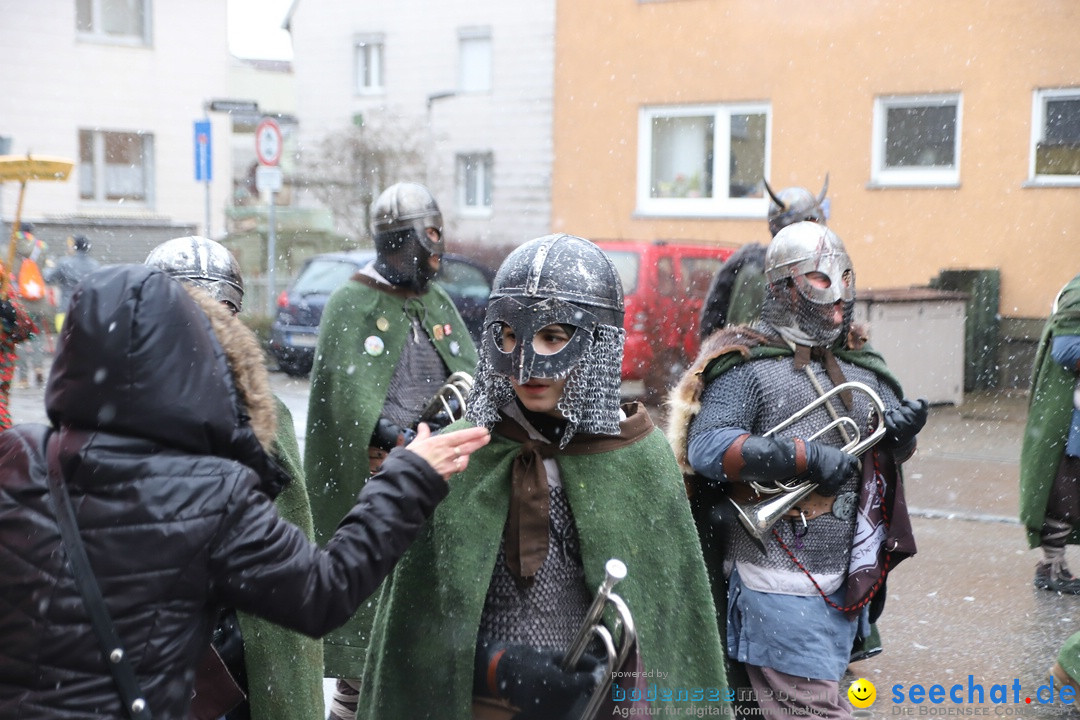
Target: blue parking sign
[202, 151]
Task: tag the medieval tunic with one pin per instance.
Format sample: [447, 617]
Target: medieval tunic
[627, 503]
[363, 334]
[1050, 415]
[775, 615]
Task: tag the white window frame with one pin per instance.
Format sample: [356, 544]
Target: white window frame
[714, 206]
[913, 176]
[477, 169]
[369, 54]
[1038, 133]
[98, 170]
[475, 60]
[97, 33]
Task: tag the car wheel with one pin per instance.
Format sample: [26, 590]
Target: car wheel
[295, 368]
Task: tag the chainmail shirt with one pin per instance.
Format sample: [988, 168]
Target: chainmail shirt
[420, 372]
[756, 396]
[549, 612]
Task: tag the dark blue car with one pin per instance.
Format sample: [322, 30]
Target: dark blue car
[295, 330]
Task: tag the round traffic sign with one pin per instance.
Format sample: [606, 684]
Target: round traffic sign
[268, 142]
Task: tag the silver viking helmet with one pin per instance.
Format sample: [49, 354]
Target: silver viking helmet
[798, 249]
[400, 217]
[203, 262]
[565, 280]
[795, 204]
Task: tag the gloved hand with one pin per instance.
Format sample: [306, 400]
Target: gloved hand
[531, 679]
[904, 422]
[388, 435]
[829, 467]
[7, 315]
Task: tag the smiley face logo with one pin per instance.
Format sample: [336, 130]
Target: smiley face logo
[862, 693]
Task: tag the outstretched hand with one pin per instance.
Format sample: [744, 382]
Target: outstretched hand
[448, 452]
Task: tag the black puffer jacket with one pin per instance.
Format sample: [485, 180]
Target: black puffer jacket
[157, 450]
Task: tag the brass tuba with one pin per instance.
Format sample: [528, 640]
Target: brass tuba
[593, 626]
[447, 405]
[759, 518]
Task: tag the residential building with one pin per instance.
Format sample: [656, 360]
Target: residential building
[950, 133]
[468, 87]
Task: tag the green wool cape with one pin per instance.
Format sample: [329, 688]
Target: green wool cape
[1050, 407]
[361, 336]
[284, 668]
[628, 503]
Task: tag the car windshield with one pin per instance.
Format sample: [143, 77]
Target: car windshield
[626, 262]
[323, 276]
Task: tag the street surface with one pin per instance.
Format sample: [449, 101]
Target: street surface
[964, 605]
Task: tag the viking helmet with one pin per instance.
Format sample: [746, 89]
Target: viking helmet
[795, 204]
[203, 262]
[400, 218]
[564, 280]
[798, 249]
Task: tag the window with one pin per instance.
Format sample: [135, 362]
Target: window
[1055, 144]
[916, 140]
[703, 160]
[474, 182]
[368, 56]
[124, 21]
[474, 46]
[115, 166]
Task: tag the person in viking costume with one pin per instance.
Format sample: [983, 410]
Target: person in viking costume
[1050, 454]
[737, 290]
[477, 621]
[279, 670]
[797, 596]
[388, 340]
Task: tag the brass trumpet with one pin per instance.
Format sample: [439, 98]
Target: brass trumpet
[759, 518]
[614, 571]
[447, 405]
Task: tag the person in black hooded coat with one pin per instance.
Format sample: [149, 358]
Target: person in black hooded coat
[160, 417]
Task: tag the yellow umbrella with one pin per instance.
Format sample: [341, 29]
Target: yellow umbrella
[21, 169]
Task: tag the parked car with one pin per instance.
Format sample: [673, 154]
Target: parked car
[664, 284]
[295, 329]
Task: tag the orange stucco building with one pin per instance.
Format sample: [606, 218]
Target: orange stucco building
[950, 131]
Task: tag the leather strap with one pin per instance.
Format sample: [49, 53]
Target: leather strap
[123, 674]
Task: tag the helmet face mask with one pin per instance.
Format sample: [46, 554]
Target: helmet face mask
[203, 262]
[523, 362]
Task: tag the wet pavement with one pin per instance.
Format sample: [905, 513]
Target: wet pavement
[963, 611]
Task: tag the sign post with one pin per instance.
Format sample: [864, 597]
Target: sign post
[268, 143]
[203, 163]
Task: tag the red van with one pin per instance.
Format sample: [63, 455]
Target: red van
[665, 283]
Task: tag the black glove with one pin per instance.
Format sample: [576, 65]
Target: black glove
[829, 467]
[388, 435]
[532, 680]
[7, 315]
[443, 418]
[767, 461]
[903, 423]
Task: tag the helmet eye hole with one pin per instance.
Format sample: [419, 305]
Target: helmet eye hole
[550, 339]
[505, 337]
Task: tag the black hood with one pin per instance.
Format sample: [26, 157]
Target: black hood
[137, 357]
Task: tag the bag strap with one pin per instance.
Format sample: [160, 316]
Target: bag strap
[119, 665]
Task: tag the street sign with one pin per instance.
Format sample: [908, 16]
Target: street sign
[268, 178]
[203, 166]
[268, 142]
[233, 106]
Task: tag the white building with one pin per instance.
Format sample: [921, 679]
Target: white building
[118, 88]
[475, 79]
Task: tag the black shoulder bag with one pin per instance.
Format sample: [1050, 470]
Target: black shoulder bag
[123, 674]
